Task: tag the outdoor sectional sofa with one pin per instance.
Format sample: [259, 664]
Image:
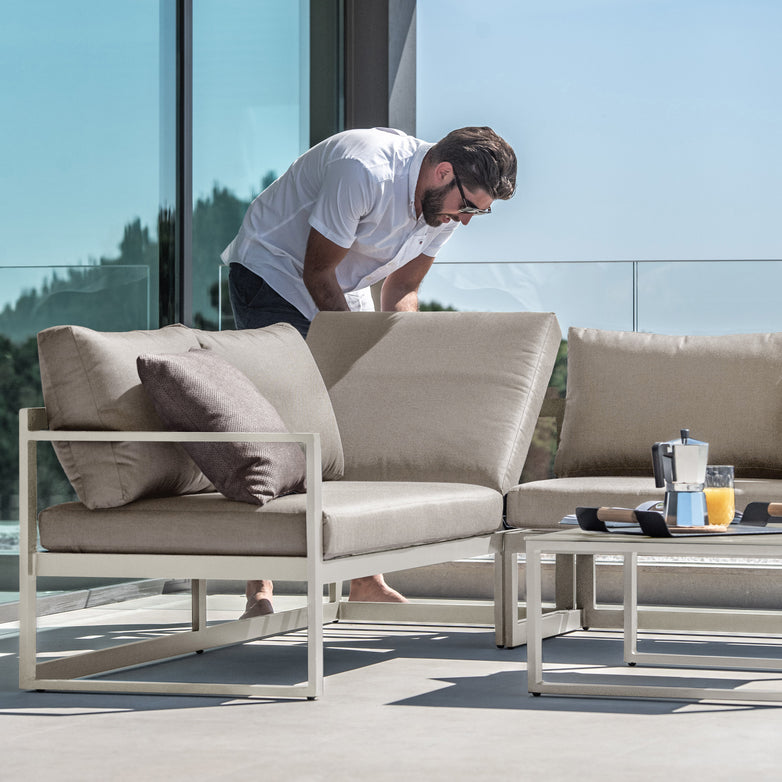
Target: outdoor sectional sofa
[626, 391]
[392, 441]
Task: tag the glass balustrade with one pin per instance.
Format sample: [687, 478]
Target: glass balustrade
[709, 297]
[582, 294]
[115, 297]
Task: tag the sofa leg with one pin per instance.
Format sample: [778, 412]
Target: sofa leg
[585, 587]
[28, 564]
[505, 596]
[566, 616]
[198, 600]
[315, 636]
[28, 624]
[508, 630]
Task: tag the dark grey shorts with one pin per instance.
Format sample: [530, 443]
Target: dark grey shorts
[255, 304]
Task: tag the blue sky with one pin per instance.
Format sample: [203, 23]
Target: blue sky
[645, 129]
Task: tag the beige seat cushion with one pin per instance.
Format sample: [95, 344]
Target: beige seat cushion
[90, 381]
[542, 504]
[357, 518]
[279, 363]
[627, 390]
[436, 396]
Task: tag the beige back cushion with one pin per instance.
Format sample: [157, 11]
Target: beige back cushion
[628, 390]
[279, 363]
[440, 396]
[90, 381]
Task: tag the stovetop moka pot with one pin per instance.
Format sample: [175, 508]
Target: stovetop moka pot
[680, 466]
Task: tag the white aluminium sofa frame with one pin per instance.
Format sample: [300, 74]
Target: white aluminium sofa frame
[68, 673]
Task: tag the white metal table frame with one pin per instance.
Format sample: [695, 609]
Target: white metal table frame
[629, 547]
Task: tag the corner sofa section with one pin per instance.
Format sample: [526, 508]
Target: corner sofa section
[414, 425]
[628, 390]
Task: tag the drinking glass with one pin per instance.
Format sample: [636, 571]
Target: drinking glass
[720, 498]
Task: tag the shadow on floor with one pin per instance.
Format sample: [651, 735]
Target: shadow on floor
[352, 650]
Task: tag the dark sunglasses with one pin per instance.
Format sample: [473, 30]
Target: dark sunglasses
[468, 208]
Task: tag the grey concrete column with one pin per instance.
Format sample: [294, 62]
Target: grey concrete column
[380, 64]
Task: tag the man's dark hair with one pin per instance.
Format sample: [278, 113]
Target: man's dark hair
[482, 159]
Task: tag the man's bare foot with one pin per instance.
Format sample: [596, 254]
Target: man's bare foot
[373, 589]
[259, 599]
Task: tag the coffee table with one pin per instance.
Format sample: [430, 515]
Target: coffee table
[630, 547]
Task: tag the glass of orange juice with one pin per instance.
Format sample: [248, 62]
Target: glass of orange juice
[720, 498]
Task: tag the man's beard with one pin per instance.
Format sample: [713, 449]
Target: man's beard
[432, 204]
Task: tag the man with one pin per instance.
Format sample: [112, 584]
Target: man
[360, 207]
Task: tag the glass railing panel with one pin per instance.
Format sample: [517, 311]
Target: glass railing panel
[114, 297]
[599, 295]
[709, 297]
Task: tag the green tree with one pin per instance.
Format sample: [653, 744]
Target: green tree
[20, 386]
[434, 306]
[215, 223]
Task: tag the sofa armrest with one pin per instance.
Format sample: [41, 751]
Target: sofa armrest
[33, 428]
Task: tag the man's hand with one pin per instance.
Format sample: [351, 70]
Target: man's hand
[400, 289]
[321, 259]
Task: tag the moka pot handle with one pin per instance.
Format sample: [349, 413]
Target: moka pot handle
[659, 452]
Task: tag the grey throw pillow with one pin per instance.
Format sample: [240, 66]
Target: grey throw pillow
[280, 365]
[198, 391]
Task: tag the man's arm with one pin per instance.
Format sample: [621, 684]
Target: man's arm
[400, 289]
[321, 259]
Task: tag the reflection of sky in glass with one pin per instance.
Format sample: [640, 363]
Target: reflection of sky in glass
[83, 155]
[251, 92]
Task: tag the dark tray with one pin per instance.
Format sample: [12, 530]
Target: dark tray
[652, 524]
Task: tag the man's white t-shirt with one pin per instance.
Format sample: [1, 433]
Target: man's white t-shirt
[357, 189]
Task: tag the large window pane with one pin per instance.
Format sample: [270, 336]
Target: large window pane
[81, 137]
[87, 186]
[250, 121]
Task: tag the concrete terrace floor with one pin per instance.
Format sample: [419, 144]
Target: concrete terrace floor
[401, 703]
